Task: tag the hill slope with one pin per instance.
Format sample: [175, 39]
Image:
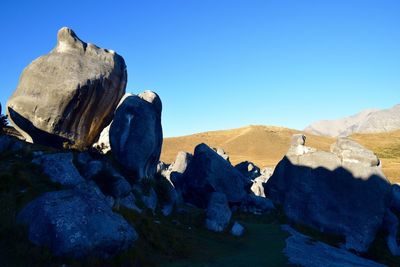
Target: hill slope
[367, 121]
[266, 145]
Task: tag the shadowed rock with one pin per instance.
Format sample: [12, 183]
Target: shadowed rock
[60, 168]
[77, 223]
[318, 189]
[208, 172]
[136, 134]
[303, 251]
[69, 94]
[218, 212]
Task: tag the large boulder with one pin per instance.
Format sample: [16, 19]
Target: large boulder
[136, 134]
[350, 152]
[103, 143]
[208, 172]
[321, 190]
[68, 95]
[77, 223]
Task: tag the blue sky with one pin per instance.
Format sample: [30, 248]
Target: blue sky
[221, 64]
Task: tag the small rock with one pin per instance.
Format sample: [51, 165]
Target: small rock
[237, 229]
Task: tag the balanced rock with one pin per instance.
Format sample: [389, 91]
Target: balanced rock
[68, 95]
[136, 134]
[208, 172]
[77, 223]
[320, 190]
[298, 139]
[298, 145]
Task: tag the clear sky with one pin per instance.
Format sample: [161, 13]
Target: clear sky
[221, 64]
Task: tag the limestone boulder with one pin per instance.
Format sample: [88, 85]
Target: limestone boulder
[136, 134]
[320, 190]
[68, 95]
[207, 173]
[77, 223]
[60, 168]
[351, 152]
[218, 212]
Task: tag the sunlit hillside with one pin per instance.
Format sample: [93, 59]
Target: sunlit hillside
[266, 145]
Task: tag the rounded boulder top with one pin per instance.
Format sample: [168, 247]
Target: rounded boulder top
[152, 98]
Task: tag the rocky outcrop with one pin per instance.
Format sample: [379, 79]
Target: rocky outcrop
[218, 212]
[343, 193]
[136, 134]
[77, 223]
[207, 173]
[68, 95]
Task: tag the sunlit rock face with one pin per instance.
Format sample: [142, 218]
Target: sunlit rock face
[68, 95]
[342, 192]
[136, 134]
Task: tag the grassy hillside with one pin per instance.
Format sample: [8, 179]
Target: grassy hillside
[266, 145]
[387, 147]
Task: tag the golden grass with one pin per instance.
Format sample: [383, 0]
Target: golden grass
[266, 145]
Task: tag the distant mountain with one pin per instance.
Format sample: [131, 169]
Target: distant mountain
[367, 121]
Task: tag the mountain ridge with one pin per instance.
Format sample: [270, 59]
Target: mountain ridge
[366, 121]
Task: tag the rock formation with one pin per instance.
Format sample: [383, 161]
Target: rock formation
[60, 168]
[248, 169]
[77, 223]
[208, 172]
[68, 95]
[136, 134]
[342, 192]
[218, 212]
